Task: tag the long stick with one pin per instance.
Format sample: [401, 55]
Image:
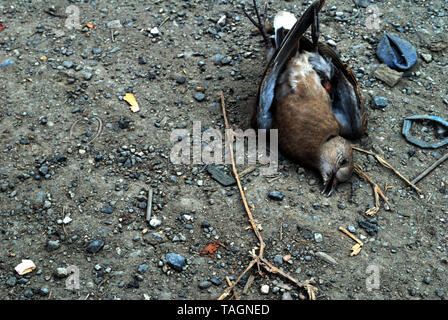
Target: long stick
[432, 167]
[256, 259]
[237, 178]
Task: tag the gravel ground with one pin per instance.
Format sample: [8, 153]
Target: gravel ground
[68, 203]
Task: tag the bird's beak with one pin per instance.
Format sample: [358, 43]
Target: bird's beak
[329, 185]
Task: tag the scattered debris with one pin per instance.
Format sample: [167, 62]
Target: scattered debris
[429, 169]
[114, 24]
[387, 165]
[276, 195]
[264, 289]
[426, 57]
[407, 123]
[6, 63]
[396, 52]
[149, 205]
[438, 45]
[326, 257]
[356, 249]
[130, 98]
[90, 25]
[389, 76]
[211, 248]
[25, 267]
[67, 220]
[98, 132]
[369, 227]
[220, 176]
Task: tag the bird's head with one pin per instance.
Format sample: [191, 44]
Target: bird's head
[336, 163]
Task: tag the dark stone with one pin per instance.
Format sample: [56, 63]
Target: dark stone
[11, 282]
[205, 224]
[181, 80]
[142, 268]
[204, 285]
[216, 281]
[370, 228]
[95, 246]
[220, 176]
[276, 195]
[199, 96]
[53, 245]
[379, 102]
[175, 261]
[107, 209]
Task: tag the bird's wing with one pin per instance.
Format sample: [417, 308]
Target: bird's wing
[286, 51]
[347, 102]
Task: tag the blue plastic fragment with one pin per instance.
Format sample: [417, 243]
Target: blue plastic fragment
[6, 63]
[407, 127]
[396, 52]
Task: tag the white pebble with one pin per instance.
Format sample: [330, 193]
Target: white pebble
[264, 289]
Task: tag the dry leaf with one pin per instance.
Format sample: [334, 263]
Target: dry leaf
[211, 248]
[90, 25]
[129, 98]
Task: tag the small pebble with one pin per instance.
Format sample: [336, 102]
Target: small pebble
[275, 195]
[379, 102]
[204, 285]
[264, 289]
[176, 261]
[199, 96]
[95, 246]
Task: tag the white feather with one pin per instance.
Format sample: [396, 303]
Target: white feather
[284, 19]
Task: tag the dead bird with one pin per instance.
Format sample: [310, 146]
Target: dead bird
[310, 96]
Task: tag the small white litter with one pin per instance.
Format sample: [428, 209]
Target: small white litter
[25, 267]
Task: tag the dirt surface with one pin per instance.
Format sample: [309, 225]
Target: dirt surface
[60, 76]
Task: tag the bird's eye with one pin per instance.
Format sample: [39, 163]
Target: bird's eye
[344, 162]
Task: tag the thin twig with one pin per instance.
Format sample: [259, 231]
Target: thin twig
[72, 127]
[311, 290]
[387, 165]
[99, 129]
[237, 178]
[256, 259]
[350, 235]
[248, 283]
[234, 292]
[163, 22]
[429, 169]
[149, 205]
[230, 289]
[247, 171]
[356, 249]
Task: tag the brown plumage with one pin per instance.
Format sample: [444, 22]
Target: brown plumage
[311, 97]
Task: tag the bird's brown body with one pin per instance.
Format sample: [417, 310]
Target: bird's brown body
[303, 116]
[311, 97]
